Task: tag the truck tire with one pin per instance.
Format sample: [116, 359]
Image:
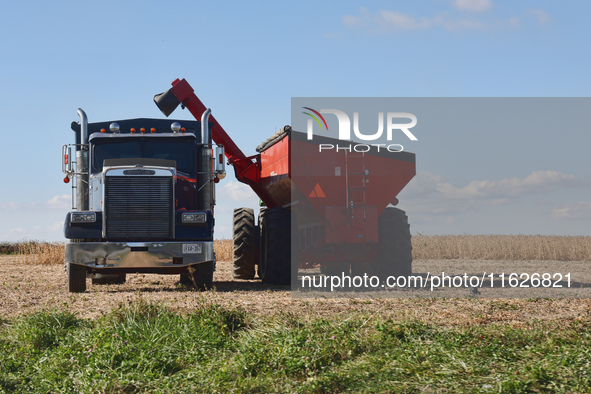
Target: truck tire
[275, 262]
[394, 246]
[244, 244]
[199, 275]
[76, 278]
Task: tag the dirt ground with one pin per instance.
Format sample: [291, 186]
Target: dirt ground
[28, 288]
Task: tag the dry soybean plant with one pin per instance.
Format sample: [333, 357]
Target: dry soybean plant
[425, 247]
[502, 247]
[35, 252]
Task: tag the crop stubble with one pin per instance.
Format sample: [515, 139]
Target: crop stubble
[31, 287]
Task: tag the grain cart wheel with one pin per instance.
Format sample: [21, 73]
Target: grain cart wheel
[76, 278]
[245, 245]
[361, 268]
[200, 275]
[275, 263]
[258, 241]
[335, 269]
[394, 247]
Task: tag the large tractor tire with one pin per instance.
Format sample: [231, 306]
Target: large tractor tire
[244, 244]
[200, 275]
[258, 241]
[362, 268]
[394, 247]
[76, 278]
[275, 262]
[336, 269]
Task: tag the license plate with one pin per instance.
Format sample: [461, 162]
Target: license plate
[191, 248]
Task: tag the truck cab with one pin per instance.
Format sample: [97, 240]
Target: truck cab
[143, 200]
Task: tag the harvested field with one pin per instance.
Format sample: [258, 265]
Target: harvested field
[34, 279]
[27, 288]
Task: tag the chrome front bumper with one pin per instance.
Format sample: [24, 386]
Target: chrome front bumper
[138, 254]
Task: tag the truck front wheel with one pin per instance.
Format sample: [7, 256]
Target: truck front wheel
[199, 275]
[76, 278]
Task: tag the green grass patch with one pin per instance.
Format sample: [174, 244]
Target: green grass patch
[147, 348]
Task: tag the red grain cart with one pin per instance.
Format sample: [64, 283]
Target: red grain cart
[324, 207]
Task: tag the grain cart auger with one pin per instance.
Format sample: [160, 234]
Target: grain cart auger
[143, 200]
[329, 209]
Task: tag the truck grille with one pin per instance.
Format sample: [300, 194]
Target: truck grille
[139, 207]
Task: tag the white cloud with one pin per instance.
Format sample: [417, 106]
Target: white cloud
[514, 22]
[445, 21]
[357, 21]
[58, 202]
[43, 231]
[10, 206]
[429, 194]
[472, 5]
[236, 191]
[399, 21]
[384, 21]
[57, 226]
[542, 17]
[387, 21]
[536, 182]
[574, 210]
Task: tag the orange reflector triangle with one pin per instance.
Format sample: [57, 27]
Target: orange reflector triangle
[317, 192]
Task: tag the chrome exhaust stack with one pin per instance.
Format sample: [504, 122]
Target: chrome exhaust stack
[205, 171]
[82, 165]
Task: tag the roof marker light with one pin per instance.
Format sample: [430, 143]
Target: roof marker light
[132, 130]
[103, 131]
[153, 130]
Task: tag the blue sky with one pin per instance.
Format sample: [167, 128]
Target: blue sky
[247, 59]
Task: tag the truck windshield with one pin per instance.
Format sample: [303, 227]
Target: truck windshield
[183, 152]
[119, 150]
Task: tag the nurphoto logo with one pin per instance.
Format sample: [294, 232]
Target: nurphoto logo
[345, 129]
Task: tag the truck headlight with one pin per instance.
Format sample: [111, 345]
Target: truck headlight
[194, 217]
[83, 217]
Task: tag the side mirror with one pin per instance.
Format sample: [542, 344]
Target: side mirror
[220, 163]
